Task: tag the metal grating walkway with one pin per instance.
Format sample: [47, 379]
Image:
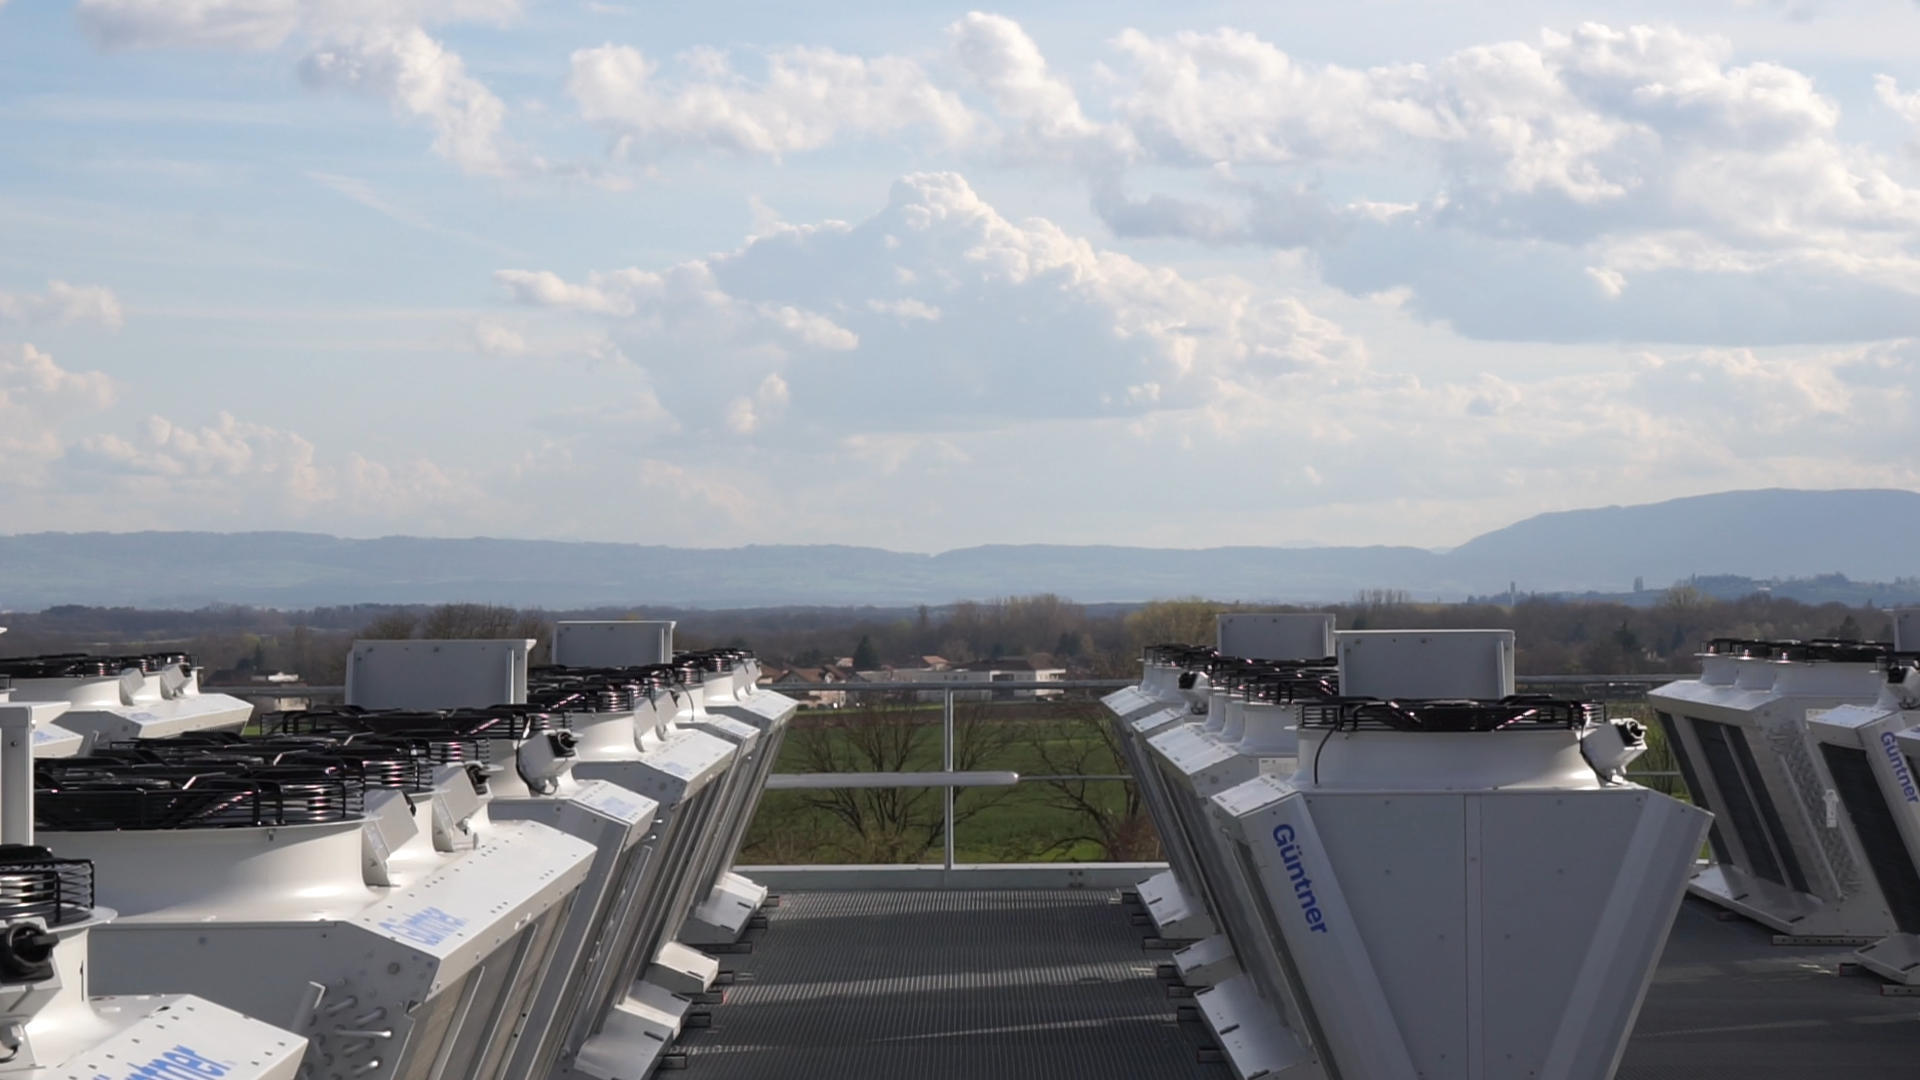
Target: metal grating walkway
[946, 986]
[938, 985]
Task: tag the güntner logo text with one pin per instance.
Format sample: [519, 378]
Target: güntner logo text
[1297, 873]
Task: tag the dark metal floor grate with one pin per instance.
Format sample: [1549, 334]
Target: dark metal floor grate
[947, 986]
[1054, 984]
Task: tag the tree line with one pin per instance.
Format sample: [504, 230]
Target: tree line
[1553, 636]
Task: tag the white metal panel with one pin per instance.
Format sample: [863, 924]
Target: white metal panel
[185, 1036]
[53, 741]
[1206, 962]
[1403, 859]
[103, 710]
[635, 1034]
[684, 763]
[1906, 630]
[1426, 663]
[1256, 1047]
[612, 644]
[1276, 636]
[1174, 913]
[438, 674]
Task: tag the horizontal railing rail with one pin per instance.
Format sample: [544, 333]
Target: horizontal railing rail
[817, 781]
[902, 686]
[274, 690]
[907, 686]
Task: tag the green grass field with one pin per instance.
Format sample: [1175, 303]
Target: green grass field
[1036, 820]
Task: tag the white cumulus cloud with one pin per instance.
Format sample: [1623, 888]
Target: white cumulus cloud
[38, 399]
[808, 98]
[233, 465]
[1595, 157]
[379, 48]
[939, 310]
[63, 304]
[1513, 189]
[421, 77]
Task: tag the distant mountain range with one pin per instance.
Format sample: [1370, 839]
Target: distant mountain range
[1871, 535]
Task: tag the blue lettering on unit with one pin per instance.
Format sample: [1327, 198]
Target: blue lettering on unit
[179, 1063]
[615, 806]
[428, 926]
[1292, 857]
[1899, 762]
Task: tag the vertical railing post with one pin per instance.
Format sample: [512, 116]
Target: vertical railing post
[946, 762]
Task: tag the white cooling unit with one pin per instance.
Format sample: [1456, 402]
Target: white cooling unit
[1448, 889]
[111, 699]
[1260, 737]
[529, 759]
[756, 721]
[623, 723]
[1176, 899]
[1244, 1005]
[50, 1025]
[1868, 753]
[715, 691]
[49, 739]
[1783, 852]
[1180, 694]
[246, 884]
[616, 1023]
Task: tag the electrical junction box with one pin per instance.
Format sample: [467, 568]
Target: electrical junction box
[612, 644]
[1463, 664]
[437, 674]
[1906, 629]
[1277, 636]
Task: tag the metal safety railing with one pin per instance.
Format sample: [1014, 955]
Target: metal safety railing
[947, 690]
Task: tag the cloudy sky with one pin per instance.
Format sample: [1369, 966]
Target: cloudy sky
[923, 277]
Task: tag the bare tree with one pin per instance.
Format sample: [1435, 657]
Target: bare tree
[1072, 747]
[896, 825]
[393, 626]
[1187, 621]
[457, 622]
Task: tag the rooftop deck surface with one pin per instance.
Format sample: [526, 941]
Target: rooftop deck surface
[933, 985]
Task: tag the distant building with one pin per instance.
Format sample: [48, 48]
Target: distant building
[1036, 668]
[822, 677]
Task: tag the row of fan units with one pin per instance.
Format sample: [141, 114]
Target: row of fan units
[1387, 865]
[1808, 755]
[473, 870]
